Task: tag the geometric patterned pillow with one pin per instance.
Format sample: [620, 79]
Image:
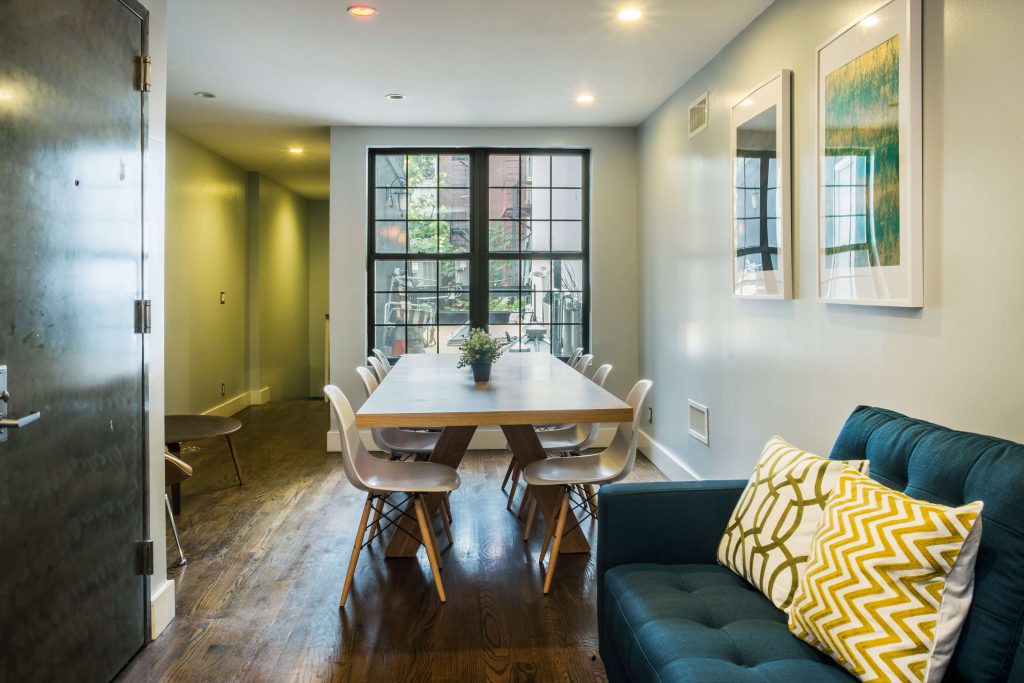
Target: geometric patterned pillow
[768, 537]
[889, 582]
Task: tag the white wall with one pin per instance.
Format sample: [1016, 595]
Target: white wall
[613, 249]
[798, 368]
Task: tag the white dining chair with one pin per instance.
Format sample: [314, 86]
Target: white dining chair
[394, 440]
[577, 352]
[583, 363]
[383, 358]
[379, 479]
[566, 440]
[610, 465]
[378, 368]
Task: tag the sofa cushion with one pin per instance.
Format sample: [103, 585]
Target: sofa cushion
[940, 465]
[703, 623]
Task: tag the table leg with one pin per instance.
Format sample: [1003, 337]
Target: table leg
[234, 456]
[176, 498]
[526, 448]
[451, 446]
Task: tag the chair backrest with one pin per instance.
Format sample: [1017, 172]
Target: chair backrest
[354, 456]
[577, 352]
[383, 358]
[583, 363]
[622, 451]
[369, 380]
[378, 368]
[601, 376]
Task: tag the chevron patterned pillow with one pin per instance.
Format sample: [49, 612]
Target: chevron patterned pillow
[769, 535]
[888, 582]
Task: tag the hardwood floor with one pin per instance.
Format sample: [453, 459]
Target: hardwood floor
[258, 600]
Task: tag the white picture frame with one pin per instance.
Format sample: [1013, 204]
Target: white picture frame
[869, 224]
[762, 171]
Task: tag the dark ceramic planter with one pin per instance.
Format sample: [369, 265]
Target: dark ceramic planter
[481, 372]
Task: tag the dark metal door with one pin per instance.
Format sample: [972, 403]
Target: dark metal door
[72, 484]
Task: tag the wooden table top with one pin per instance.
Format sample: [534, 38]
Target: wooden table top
[178, 428]
[525, 389]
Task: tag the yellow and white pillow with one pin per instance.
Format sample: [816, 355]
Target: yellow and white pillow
[768, 537]
[888, 583]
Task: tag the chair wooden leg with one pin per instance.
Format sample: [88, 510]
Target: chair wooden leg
[515, 485]
[562, 514]
[547, 538]
[378, 510]
[234, 457]
[356, 547]
[508, 473]
[427, 534]
[529, 518]
[446, 505]
[446, 524]
[523, 503]
[591, 497]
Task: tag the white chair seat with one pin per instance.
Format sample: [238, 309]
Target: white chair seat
[412, 477]
[565, 439]
[404, 441]
[583, 469]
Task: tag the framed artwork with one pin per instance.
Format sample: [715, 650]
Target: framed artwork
[761, 189]
[869, 248]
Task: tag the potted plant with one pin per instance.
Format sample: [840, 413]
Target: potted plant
[479, 351]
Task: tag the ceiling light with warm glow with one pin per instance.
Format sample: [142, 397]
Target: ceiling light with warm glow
[585, 98]
[296, 150]
[362, 11]
[630, 13]
[870, 21]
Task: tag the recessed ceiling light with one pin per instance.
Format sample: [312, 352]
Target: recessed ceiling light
[747, 102]
[296, 150]
[362, 11]
[203, 94]
[585, 98]
[870, 21]
[630, 13]
[395, 96]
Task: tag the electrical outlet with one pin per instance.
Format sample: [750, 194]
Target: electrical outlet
[223, 389]
[650, 415]
[223, 297]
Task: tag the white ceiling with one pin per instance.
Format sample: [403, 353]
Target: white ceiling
[285, 70]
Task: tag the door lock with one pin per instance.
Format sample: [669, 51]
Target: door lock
[11, 422]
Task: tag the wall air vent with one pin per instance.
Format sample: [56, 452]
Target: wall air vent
[699, 114]
[698, 421]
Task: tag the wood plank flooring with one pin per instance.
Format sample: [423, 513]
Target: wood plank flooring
[258, 600]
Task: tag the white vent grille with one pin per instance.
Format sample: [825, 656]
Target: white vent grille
[698, 421]
[699, 114]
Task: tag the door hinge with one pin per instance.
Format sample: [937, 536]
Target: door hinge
[145, 83]
[146, 557]
[143, 316]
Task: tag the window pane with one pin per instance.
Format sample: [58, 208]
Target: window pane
[421, 339]
[421, 308]
[389, 308]
[536, 171]
[503, 170]
[454, 236]
[565, 204]
[567, 171]
[423, 237]
[423, 204]
[390, 237]
[503, 310]
[454, 170]
[536, 275]
[566, 307]
[453, 308]
[566, 236]
[536, 236]
[567, 276]
[566, 338]
[536, 203]
[454, 204]
[503, 203]
[422, 276]
[449, 338]
[503, 236]
[454, 275]
[390, 339]
[390, 170]
[423, 170]
[504, 275]
[389, 276]
[390, 204]
[536, 338]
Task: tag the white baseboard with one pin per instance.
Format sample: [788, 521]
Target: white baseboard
[670, 464]
[256, 397]
[485, 439]
[161, 608]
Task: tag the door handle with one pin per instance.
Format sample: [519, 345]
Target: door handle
[19, 422]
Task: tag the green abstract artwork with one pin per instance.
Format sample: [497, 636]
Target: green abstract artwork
[862, 160]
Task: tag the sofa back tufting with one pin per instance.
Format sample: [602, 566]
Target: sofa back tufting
[940, 465]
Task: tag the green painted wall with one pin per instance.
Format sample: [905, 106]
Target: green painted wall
[319, 229]
[283, 297]
[205, 255]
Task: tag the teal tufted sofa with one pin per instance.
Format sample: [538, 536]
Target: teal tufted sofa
[668, 612]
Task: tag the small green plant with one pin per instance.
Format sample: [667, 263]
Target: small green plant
[480, 347]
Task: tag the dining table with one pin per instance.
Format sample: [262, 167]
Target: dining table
[525, 390]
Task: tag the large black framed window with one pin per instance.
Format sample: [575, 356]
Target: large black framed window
[491, 238]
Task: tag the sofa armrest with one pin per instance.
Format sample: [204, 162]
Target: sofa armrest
[677, 522]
